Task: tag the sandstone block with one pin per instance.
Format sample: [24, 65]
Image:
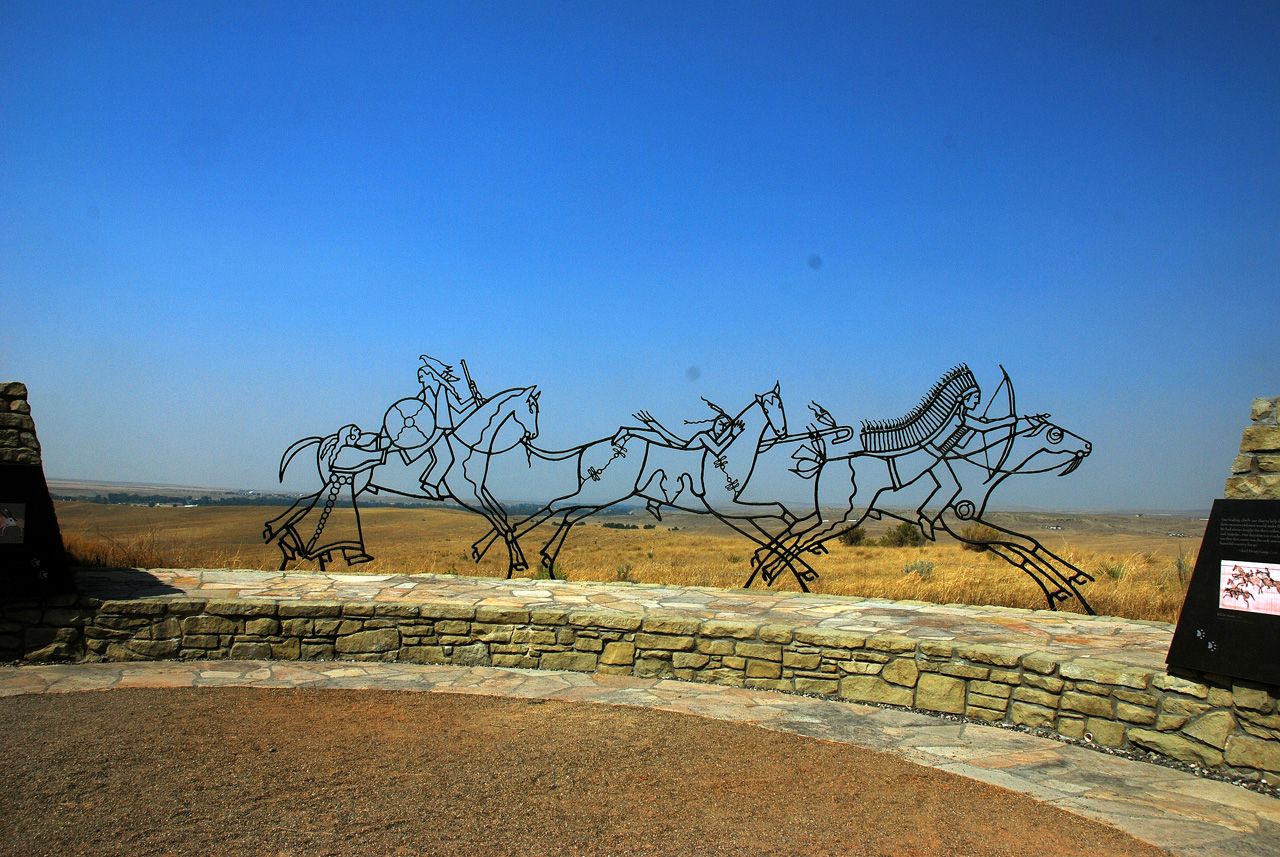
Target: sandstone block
[424, 655]
[546, 638]
[901, 671]
[155, 649]
[670, 625]
[549, 617]
[1265, 486]
[365, 642]
[262, 627]
[991, 703]
[133, 608]
[350, 626]
[1263, 410]
[730, 678]
[936, 649]
[614, 620]
[1139, 714]
[1246, 752]
[327, 627]
[1260, 439]
[296, 627]
[209, 625]
[1249, 696]
[446, 610]
[830, 639]
[988, 715]
[964, 670]
[866, 688]
[250, 651]
[317, 651]
[1169, 722]
[1108, 733]
[1085, 703]
[796, 660]
[1244, 463]
[1036, 696]
[583, 644]
[583, 662]
[501, 616]
[990, 688]
[200, 641]
[1009, 677]
[1213, 728]
[715, 647]
[287, 650]
[1183, 707]
[762, 669]
[241, 607]
[1267, 463]
[1070, 727]
[395, 611]
[474, 655]
[724, 628]
[760, 651]
[1000, 656]
[936, 692]
[827, 687]
[891, 643]
[653, 668]
[689, 660]
[527, 662]
[734, 662]
[664, 643]
[1150, 700]
[1026, 714]
[1175, 747]
[1106, 672]
[358, 611]
[776, 634]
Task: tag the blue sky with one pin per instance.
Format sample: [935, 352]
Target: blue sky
[225, 226]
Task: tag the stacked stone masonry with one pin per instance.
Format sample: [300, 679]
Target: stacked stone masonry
[1255, 474]
[18, 444]
[1212, 721]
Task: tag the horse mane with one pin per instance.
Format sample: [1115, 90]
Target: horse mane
[924, 420]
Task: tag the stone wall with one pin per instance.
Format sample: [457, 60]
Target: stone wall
[1255, 474]
[18, 444]
[1210, 721]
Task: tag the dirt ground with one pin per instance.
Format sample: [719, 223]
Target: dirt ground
[234, 771]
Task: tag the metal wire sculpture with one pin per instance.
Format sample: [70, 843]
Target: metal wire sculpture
[441, 445]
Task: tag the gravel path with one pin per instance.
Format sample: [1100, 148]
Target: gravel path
[306, 772]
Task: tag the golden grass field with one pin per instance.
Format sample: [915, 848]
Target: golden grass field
[1141, 571]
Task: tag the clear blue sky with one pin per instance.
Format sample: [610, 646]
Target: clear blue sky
[224, 226]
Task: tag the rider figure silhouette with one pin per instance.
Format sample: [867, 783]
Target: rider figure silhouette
[943, 423]
[715, 439]
[439, 395]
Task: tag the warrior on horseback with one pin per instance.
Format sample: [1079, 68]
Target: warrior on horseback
[930, 435]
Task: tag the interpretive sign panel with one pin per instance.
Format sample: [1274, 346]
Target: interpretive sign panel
[32, 562]
[1230, 621]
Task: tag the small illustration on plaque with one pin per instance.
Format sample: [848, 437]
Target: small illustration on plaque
[1252, 587]
[13, 522]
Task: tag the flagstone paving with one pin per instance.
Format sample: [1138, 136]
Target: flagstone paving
[1142, 644]
[1168, 808]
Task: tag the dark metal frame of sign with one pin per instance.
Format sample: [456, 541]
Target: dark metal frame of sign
[449, 441]
[33, 564]
[1230, 620]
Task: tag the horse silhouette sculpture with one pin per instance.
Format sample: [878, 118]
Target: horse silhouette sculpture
[444, 445]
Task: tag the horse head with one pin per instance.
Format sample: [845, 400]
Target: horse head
[771, 404]
[1057, 448]
[527, 416]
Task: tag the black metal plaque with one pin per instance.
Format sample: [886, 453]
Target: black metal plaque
[1230, 621]
[32, 562]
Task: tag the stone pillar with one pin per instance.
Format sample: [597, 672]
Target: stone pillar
[32, 562]
[1255, 474]
[18, 444]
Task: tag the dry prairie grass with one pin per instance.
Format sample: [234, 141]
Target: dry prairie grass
[1139, 575]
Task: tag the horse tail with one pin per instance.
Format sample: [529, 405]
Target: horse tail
[293, 450]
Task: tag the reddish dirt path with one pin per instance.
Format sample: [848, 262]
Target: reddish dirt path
[233, 771]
